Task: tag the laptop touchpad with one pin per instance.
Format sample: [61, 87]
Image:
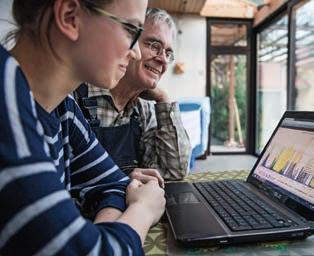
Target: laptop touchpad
[194, 220]
[182, 198]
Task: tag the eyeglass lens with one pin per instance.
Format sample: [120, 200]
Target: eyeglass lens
[158, 49]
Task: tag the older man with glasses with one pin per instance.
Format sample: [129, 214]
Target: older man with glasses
[136, 122]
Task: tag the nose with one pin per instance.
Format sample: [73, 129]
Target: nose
[136, 52]
[162, 57]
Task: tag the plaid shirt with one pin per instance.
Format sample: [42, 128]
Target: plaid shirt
[164, 144]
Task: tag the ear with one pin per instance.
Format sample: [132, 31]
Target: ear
[67, 17]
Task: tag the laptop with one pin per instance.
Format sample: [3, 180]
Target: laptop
[276, 202]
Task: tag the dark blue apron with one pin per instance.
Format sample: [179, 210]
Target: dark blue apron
[121, 142]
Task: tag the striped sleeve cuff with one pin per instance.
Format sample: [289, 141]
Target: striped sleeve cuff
[123, 238]
[113, 201]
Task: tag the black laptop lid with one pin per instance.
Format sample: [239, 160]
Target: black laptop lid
[285, 168]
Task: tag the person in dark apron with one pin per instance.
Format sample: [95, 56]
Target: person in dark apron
[121, 142]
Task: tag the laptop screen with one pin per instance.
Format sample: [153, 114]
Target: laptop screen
[287, 163]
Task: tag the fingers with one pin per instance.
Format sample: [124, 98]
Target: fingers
[135, 183]
[155, 173]
[146, 178]
[145, 175]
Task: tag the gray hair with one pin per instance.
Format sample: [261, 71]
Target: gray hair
[155, 15]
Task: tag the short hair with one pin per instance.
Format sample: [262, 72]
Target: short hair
[155, 15]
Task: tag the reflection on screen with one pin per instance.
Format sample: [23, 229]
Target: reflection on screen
[288, 162]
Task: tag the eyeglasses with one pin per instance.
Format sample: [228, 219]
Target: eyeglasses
[157, 49]
[133, 30]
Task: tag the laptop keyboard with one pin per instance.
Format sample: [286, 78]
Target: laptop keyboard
[239, 208]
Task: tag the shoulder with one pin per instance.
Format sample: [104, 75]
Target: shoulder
[14, 89]
[18, 113]
[12, 77]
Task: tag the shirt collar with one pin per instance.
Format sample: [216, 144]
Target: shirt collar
[94, 91]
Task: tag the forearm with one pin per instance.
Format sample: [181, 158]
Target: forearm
[169, 155]
[166, 147]
[107, 214]
[137, 217]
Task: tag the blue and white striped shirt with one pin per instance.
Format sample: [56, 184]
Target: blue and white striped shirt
[43, 157]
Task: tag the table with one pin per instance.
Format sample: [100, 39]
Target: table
[160, 242]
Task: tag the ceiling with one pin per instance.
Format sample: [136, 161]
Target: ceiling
[210, 8]
[179, 6]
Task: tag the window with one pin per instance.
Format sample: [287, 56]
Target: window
[228, 58]
[303, 19]
[271, 94]
[228, 94]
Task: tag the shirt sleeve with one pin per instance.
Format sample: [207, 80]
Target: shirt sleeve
[97, 182]
[165, 144]
[38, 216]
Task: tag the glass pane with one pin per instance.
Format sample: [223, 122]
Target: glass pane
[304, 65]
[229, 35]
[272, 54]
[228, 98]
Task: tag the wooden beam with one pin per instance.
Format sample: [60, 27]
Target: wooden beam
[178, 6]
[270, 7]
[229, 9]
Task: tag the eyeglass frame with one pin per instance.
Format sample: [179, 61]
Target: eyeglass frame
[137, 30]
[151, 42]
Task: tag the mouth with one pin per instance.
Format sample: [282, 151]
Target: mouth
[153, 70]
[123, 68]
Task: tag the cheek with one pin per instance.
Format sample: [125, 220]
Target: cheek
[143, 73]
[143, 68]
[110, 60]
[114, 47]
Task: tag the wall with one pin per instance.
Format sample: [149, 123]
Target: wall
[191, 50]
[5, 18]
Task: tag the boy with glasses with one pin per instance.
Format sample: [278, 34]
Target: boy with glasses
[142, 135]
